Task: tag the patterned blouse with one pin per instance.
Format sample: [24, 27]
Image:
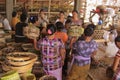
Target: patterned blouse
[82, 51]
[50, 49]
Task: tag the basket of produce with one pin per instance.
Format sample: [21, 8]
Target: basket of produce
[17, 46]
[98, 34]
[75, 31]
[31, 31]
[6, 51]
[48, 77]
[20, 61]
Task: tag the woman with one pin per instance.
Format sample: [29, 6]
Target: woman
[34, 21]
[59, 33]
[117, 60]
[14, 20]
[19, 36]
[75, 18]
[83, 50]
[42, 17]
[53, 53]
[61, 17]
[6, 24]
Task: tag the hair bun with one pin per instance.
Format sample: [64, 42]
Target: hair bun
[51, 29]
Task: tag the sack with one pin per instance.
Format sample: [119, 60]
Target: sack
[109, 72]
[111, 49]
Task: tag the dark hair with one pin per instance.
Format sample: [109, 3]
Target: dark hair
[51, 28]
[23, 17]
[68, 21]
[75, 11]
[33, 19]
[14, 13]
[61, 12]
[59, 25]
[88, 31]
[117, 39]
[42, 10]
[91, 26]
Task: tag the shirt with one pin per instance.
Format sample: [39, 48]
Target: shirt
[6, 24]
[50, 49]
[14, 21]
[82, 51]
[61, 35]
[78, 22]
[19, 28]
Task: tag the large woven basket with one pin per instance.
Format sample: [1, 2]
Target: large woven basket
[27, 46]
[75, 31]
[47, 77]
[20, 61]
[98, 34]
[31, 32]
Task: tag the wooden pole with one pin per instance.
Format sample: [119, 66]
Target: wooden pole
[49, 9]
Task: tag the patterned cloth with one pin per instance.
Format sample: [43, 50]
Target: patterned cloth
[82, 51]
[78, 22]
[50, 49]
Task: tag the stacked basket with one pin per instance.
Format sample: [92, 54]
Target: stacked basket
[20, 61]
[75, 31]
[98, 34]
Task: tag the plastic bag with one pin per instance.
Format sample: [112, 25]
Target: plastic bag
[111, 49]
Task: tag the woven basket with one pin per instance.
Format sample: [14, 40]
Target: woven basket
[32, 59]
[75, 31]
[31, 32]
[48, 77]
[98, 34]
[17, 61]
[27, 46]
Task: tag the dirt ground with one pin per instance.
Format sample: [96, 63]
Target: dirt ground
[99, 73]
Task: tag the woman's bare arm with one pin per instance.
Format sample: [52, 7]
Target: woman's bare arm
[116, 63]
[35, 44]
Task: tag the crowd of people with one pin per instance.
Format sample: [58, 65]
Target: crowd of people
[56, 47]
